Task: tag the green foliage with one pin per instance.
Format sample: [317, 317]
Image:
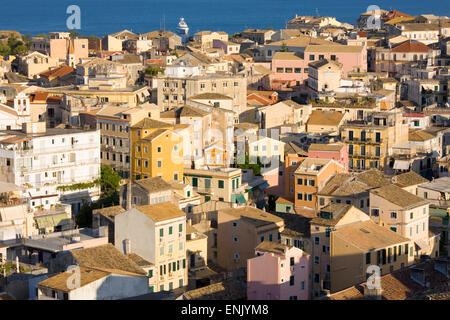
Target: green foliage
[84, 217]
[15, 46]
[284, 48]
[236, 35]
[4, 50]
[256, 167]
[20, 50]
[42, 35]
[109, 180]
[73, 34]
[78, 186]
[153, 71]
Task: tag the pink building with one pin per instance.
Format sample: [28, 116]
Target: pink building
[335, 151]
[351, 57]
[290, 69]
[279, 272]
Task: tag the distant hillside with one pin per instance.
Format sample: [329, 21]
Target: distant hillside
[5, 34]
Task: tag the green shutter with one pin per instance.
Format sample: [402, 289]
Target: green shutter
[195, 182]
[161, 232]
[184, 263]
[170, 230]
[150, 273]
[180, 228]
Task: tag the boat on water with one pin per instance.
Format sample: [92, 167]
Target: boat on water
[182, 28]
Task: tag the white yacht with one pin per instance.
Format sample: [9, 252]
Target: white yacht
[183, 28]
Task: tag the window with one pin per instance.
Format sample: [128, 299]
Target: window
[291, 280]
[311, 57]
[316, 240]
[333, 57]
[221, 184]
[302, 286]
[235, 239]
[159, 163]
[161, 232]
[394, 229]
[280, 70]
[316, 277]
[411, 215]
[393, 215]
[292, 261]
[299, 196]
[316, 260]
[150, 273]
[368, 258]
[298, 70]
[425, 196]
[299, 181]
[195, 182]
[288, 70]
[180, 227]
[170, 230]
[234, 223]
[375, 212]
[262, 238]
[161, 251]
[170, 248]
[159, 149]
[311, 183]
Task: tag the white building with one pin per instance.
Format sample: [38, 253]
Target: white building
[180, 71]
[94, 284]
[51, 165]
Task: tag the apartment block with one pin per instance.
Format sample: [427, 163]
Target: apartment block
[278, 272]
[345, 242]
[156, 150]
[240, 230]
[369, 141]
[49, 163]
[310, 176]
[157, 233]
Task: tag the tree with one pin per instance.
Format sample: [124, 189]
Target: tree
[4, 50]
[20, 50]
[284, 48]
[256, 167]
[84, 217]
[73, 34]
[42, 35]
[109, 181]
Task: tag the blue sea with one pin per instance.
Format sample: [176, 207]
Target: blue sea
[100, 17]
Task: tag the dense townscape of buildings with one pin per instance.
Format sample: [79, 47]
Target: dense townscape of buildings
[310, 162]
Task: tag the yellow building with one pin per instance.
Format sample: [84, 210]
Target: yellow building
[345, 242]
[369, 141]
[156, 150]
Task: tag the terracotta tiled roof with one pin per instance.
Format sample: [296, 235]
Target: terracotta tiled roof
[399, 285]
[154, 184]
[419, 135]
[326, 118]
[409, 46]
[106, 257]
[368, 236]
[398, 196]
[58, 72]
[409, 179]
[161, 211]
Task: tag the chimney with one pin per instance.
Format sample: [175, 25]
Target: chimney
[128, 204]
[372, 294]
[126, 246]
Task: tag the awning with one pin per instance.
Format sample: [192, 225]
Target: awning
[51, 222]
[263, 185]
[401, 165]
[422, 244]
[240, 198]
